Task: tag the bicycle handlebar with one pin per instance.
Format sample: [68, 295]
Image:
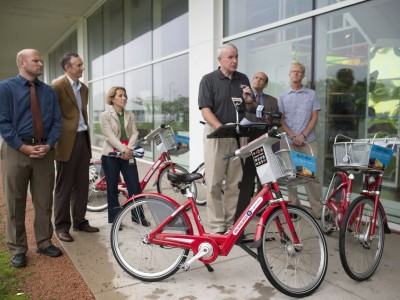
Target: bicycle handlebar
[272, 133]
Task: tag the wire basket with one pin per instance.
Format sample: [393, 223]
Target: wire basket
[182, 145]
[361, 154]
[295, 168]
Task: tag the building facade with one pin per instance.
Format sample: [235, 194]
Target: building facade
[160, 49]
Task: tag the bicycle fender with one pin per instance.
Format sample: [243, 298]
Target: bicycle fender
[161, 168]
[260, 225]
[138, 196]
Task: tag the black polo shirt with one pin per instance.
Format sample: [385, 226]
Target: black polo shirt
[216, 92]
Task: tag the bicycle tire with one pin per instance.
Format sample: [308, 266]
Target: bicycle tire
[165, 187]
[134, 253]
[360, 258]
[294, 272]
[201, 188]
[97, 199]
[328, 217]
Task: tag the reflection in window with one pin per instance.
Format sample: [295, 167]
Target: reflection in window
[96, 107]
[242, 15]
[95, 44]
[69, 44]
[171, 96]
[358, 73]
[113, 27]
[140, 98]
[170, 27]
[273, 51]
[138, 32]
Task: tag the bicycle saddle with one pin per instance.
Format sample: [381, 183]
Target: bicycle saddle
[184, 178]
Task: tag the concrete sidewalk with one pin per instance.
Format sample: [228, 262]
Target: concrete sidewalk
[237, 276]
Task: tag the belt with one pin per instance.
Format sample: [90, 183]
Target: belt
[81, 132]
[32, 140]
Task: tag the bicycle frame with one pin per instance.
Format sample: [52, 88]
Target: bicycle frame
[158, 166]
[224, 242]
[163, 160]
[371, 189]
[347, 186]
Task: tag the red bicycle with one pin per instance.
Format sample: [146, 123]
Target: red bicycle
[362, 222]
[291, 246]
[164, 138]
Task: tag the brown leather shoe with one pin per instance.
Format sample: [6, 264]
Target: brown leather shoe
[64, 236]
[87, 228]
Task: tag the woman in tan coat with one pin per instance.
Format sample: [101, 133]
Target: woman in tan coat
[119, 129]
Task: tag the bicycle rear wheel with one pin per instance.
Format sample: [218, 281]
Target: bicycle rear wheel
[361, 253]
[130, 246]
[165, 187]
[201, 188]
[97, 199]
[328, 222]
[295, 270]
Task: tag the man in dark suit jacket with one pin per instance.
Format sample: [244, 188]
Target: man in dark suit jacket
[73, 151]
[270, 104]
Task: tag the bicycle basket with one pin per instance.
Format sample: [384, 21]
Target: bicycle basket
[182, 143]
[164, 140]
[295, 168]
[362, 154]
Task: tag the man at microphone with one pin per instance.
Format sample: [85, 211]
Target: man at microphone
[217, 93]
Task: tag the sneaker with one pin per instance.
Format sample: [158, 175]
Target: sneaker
[19, 260]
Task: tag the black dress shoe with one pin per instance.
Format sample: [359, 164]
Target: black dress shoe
[87, 228]
[64, 236]
[139, 217]
[19, 260]
[51, 250]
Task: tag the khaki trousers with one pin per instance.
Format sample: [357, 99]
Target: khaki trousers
[221, 207]
[20, 171]
[313, 189]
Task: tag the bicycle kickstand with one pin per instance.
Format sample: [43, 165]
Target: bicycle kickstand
[209, 268]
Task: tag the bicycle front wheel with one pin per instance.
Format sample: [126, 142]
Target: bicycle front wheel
[165, 187]
[129, 239]
[360, 253]
[328, 217]
[97, 199]
[296, 270]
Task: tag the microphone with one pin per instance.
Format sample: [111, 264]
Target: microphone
[237, 101]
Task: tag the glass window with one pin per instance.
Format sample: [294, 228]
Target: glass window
[171, 96]
[138, 32]
[113, 27]
[170, 27]
[69, 44]
[242, 15]
[357, 76]
[97, 105]
[140, 101]
[95, 44]
[273, 51]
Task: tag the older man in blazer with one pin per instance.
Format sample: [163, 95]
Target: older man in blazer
[73, 151]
